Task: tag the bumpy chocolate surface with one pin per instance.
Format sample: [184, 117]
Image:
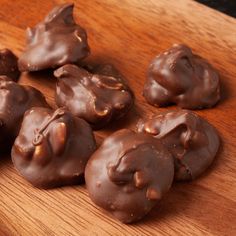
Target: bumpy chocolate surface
[177, 76]
[8, 64]
[129, 174]
[52, 148]
[54, 42]
[98, 98]
[192, 141]
[15, 99]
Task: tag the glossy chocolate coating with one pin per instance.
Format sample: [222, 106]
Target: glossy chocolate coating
[15, 99]
[177, 76]
[129, 174]
[192, 141]
[54, 42]
[98, 98]
[8, 64]
[52, 148]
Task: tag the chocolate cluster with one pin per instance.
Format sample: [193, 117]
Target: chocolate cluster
[177, 76]
[98, 97]
[55, 41]
[191, 140]
[15, 101]
[52, 147]
[129, 174]
[8, 64]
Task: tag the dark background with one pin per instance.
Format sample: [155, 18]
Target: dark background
[226, 6]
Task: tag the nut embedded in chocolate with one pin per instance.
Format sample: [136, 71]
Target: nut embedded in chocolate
[15, 100]
[54, 42]
[97, 98]
[129, 174]
[52, 147]
[8, 64]
[177, 76]
[192, 141]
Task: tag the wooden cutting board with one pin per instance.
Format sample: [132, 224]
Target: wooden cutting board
[129, 33]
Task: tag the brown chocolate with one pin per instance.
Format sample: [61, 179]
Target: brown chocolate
[129, 174]
[97, 98]
[15, 100]
[192, 141]
[54, 42]
[177, 76]
[52, 148]
[8, 64]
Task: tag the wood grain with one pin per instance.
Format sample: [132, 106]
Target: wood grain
[129, 33]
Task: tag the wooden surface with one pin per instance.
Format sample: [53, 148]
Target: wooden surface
[129, 33]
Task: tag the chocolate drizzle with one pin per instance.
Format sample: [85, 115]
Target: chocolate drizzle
[42, 131]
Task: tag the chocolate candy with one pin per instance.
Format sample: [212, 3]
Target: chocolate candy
[97, 98]
[177, 76]
[192, 141]
[52, 148]
[15, 100]
[54, 42]
[129, 174]
[8, 64]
